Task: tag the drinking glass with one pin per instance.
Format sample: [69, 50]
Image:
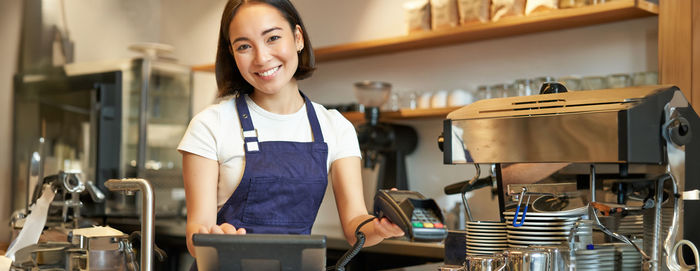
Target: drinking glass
[498, 90]
[645, 78]
[593, 82]
[618, 80]
[523, 87]
[410, 100]
[483, 92]
[571, 83]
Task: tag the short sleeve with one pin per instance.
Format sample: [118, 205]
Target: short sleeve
[201, 135]
[346, 138]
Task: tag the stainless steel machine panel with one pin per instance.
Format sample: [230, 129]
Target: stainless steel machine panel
[566, 138]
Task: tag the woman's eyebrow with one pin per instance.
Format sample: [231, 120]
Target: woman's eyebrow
[270, 30]
[262, 34]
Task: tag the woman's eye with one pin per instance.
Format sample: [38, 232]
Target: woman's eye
[242, 47]
[273, 38]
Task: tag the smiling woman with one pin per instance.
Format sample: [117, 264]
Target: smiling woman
[259, 161]
[280, 16]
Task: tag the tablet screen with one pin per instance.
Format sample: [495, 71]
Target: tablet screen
[260, 252]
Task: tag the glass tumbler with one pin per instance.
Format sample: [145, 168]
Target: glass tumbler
[618, 80]
[409, 100]
[483, 92]
[593, 82]
[524, 88]
[572, 83]
[572, 3]
[498, 90]
[645, 78]
[394, 102]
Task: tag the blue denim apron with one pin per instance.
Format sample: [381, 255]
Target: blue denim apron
[283, 182]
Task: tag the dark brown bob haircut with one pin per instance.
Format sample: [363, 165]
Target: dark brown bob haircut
[228, 77]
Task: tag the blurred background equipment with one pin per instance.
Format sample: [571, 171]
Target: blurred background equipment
[382, 143]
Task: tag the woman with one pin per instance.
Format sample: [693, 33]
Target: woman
[267, 152]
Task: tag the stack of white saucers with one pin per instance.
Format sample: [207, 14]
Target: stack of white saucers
[486, 237]
[542, 229]
[630, 259]
[601, 258]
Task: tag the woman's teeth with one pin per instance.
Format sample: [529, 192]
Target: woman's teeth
[270, 71]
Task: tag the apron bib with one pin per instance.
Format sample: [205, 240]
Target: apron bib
[283, 182]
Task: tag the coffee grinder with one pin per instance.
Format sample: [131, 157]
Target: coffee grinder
[383, 143]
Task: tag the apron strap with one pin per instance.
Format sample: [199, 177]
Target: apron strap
[250, 134]
[313, 119]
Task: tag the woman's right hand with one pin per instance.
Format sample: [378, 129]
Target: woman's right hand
[225, 228]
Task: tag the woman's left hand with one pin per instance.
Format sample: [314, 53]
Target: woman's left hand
[385, 229]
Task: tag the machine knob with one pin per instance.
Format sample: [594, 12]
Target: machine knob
[677, 130]
[552, 87]
[441, 142]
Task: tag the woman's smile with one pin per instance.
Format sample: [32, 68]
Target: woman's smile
[268, 74]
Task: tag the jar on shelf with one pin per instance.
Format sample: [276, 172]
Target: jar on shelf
[523, 87]
[645, 78]
[618, 80]
[483, 92]
[572, 83]
[409, 100]
[498, 90]
[572, 3]
[593, 82]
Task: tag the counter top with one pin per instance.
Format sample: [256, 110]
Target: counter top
[334, 238]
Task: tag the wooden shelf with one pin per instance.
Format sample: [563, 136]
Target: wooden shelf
[403, 114]
[510, 26]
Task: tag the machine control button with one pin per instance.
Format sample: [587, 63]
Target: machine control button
[439, 225]
[417, 224]
[428, 225]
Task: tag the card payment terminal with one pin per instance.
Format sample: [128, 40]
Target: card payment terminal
[419, 218]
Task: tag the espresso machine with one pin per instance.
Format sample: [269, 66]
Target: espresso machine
[628, 150]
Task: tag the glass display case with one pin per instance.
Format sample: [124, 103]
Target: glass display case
[113, 119]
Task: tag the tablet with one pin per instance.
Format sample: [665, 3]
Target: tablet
[260, 252]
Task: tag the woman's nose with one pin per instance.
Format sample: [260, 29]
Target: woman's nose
[262, 55]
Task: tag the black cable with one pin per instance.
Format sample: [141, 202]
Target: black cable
[352, 252]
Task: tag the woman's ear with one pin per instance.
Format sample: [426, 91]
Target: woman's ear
[298, 38]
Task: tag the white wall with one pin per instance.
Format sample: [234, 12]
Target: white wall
[103, 30]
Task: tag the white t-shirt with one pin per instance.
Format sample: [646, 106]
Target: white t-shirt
[215, 133]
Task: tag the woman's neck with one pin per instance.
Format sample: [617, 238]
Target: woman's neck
[286, 101]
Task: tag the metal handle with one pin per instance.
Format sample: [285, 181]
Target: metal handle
[147, 215]
[95, 192]
[517, 209]
[466, 186]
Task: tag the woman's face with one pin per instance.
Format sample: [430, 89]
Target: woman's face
[265, 48]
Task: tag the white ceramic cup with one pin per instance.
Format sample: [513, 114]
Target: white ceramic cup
[439, 99]
[459, 97]
[424, 100]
